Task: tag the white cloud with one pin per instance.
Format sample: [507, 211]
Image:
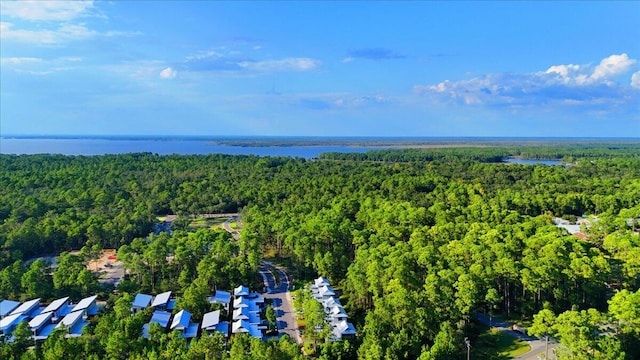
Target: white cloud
[168, 73]
[559, 84]
[65, 32]
[45, 10]
[611, 67]
[20, 60]
[40, 66]
[288, 64]
[635, 80]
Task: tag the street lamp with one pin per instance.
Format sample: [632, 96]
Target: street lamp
[468, 343]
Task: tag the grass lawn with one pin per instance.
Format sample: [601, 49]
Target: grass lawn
[233, 225]
[210, 223]
[495, 342]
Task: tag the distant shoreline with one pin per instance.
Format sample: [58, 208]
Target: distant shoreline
[347, 141]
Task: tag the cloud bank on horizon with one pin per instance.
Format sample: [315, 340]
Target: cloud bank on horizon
[298, 68]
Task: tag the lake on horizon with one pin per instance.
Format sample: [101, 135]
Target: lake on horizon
[84, 146]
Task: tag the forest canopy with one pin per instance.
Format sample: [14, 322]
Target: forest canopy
[430, 235]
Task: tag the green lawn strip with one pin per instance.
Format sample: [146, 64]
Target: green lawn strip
[500, 345]
[233, 225]
[210, 223]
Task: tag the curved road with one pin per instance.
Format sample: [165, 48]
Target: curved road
[537, 345]
[227, 226]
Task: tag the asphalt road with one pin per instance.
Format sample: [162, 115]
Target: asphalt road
[537, 345]
[281, 297]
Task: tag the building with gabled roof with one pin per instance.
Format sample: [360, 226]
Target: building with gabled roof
[161, 301]
[28, 308]
[87, 306]
[245, 314]
[343, 329]
[58, 308]
[9, 323]
[210, 320]
[141, 302]
[241, 291]
[161, 317]
[323, 293]
[74, 323]
[180, 320]
[336, 314]
[321, 281]
[38, 323]
[243, 326]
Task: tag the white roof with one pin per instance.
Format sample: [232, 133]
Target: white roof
[28, 306]
[55, 305]
[320, 281]
[211, 319]
[161, 299]
[40, 320]
[326, 290]
[343, 328]
[9, 320]
[241, 314]
[337, 310]
[244, 327]
[331, 302]
[181, 320]
[70, 319]
[85, 303]
[241, 291]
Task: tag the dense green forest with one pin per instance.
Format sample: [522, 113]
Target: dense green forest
[419, 240]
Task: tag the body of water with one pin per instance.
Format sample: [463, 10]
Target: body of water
[100, 146]
[533, 161]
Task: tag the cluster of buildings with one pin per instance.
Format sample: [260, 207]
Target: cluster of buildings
[335, 314]
[247, 307]
[245, 314]
[42, 320]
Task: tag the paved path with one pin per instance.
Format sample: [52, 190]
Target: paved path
[537, 345]
[278, 291]
[227, 226]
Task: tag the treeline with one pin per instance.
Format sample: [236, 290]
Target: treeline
[568, 153]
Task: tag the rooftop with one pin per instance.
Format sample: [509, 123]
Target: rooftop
[7, 306]
[210, 320]
[181, 320]
[85, 303]
[161, 317]
[142, 301]
[40, 320]
[161, 299]
[55, 305]
[26, 307]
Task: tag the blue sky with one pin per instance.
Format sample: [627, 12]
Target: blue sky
[320, 68]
